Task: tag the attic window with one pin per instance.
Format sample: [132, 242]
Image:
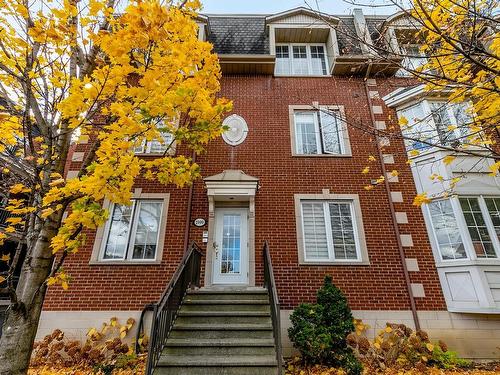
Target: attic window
[301, 60]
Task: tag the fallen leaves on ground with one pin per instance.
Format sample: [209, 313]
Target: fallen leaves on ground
[46, 370]
[488, 369]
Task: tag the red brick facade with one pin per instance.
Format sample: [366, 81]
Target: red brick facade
[263, 101]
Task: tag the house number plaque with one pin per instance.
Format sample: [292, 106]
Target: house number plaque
[200, 222]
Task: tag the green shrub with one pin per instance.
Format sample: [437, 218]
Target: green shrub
[319, 330]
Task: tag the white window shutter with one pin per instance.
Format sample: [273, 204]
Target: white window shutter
[330, 132]
[314, 227]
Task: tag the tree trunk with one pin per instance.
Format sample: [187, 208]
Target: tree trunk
[21, 323]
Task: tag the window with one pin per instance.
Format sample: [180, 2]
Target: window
[446, 230]
[329, 231]
[318, 132]
[481, 222]
[432, 122]
[301, 60]
[413, 59]
[132, 231]
[155, 146]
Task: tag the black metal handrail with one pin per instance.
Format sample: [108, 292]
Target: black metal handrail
[270, 285]
[165, 310]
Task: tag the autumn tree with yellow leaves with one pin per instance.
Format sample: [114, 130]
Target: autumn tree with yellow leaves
[80, 71]
[454, 53]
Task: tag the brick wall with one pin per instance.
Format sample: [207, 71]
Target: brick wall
[266, 153]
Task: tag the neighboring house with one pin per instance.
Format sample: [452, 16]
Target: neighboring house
[289, 172]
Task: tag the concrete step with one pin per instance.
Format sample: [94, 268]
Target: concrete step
[223, 319]
[217, 350]
[220, 342]
[228, 296]
[217, 361]
[216, 370]
[225, 290]
[246, 301]
[205, 313]
[202, 306]
[205, 333]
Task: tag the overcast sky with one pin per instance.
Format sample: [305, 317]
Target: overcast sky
[274, 6]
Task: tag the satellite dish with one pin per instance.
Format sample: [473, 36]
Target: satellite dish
[237, 130]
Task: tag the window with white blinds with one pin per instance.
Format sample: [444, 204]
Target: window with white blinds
[318, 132]
[330, 231]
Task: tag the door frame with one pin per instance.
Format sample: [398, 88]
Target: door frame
[212, 206]
[231, 188]
[242, 279]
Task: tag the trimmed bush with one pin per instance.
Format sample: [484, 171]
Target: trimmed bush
[319, 330]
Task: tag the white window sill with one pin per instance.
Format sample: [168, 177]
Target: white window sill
[124, 263]
[334, 263]
[468, 262]
[322, 155]
[479, 310]
[156, 154]
[303, 76]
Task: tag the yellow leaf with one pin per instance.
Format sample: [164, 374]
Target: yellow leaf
[65, 285]
[5, 257]
[448, 159]
[366, 170]
[429, 346]
[371, 158]
[421, 199]
[368, 187]
[414, 153]
[494, 168]
[394, 173]
[2, 279]
[388, 329]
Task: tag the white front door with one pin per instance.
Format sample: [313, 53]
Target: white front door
[230, 248]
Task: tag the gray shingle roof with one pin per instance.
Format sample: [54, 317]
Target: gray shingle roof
[239, 35]
[346, 37]
[374, 27]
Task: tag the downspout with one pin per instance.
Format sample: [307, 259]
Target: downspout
[187, 228]
[413, 305]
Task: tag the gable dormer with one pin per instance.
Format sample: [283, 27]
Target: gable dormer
[303, 42]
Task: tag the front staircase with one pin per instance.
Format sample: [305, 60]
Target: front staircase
[221, 333]
[214, 331]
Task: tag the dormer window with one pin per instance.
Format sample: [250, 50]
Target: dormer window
[301, 60]
[413, 59]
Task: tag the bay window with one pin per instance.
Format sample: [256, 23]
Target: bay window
[435, 122]
[132, 232]
[468, 228]
[301, 60]
[318, 132]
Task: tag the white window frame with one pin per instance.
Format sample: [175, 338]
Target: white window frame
[406, 69]
[132, 232]
[309, 59]
[97, 257]
[357, 220]
[345, 147]
[425, 105]
[464, 230]
[145, 147]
